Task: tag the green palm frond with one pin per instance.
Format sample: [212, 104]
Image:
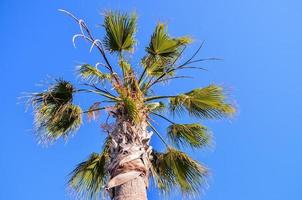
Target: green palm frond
[194, 135]
[53, 122]
[55, 115]
[120, 30]
[208, 102]
[58, 93]
[175, 169]
[92, 74]
[89, 177]
[162, 51]
[163, 46]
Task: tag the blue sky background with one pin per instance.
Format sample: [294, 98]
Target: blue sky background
[257, 155]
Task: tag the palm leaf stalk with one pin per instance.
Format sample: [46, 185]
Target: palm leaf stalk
[122, 169]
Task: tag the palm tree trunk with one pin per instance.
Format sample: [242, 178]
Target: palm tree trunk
[129, 160]
[132, 190]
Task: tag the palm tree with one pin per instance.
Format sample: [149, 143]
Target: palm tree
[127, 160]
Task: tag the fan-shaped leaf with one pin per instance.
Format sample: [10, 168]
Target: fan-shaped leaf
[55, 115]
[120, 30]
[175, 169]
[57, 94]
[162, 51]
[53, 122]
[89, 177]
[208, 102]
[194, 135]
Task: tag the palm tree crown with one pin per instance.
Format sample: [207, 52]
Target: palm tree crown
[132, 100]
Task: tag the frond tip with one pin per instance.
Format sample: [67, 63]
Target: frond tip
[89, 177]
[208, 102]
[194, 135]
[175, 169]
[120, 30]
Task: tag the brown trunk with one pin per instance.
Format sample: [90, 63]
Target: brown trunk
[132, 190]
[129, 159]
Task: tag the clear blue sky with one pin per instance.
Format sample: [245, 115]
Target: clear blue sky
[257, 155]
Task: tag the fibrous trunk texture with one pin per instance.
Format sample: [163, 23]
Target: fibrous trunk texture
[130, 155]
